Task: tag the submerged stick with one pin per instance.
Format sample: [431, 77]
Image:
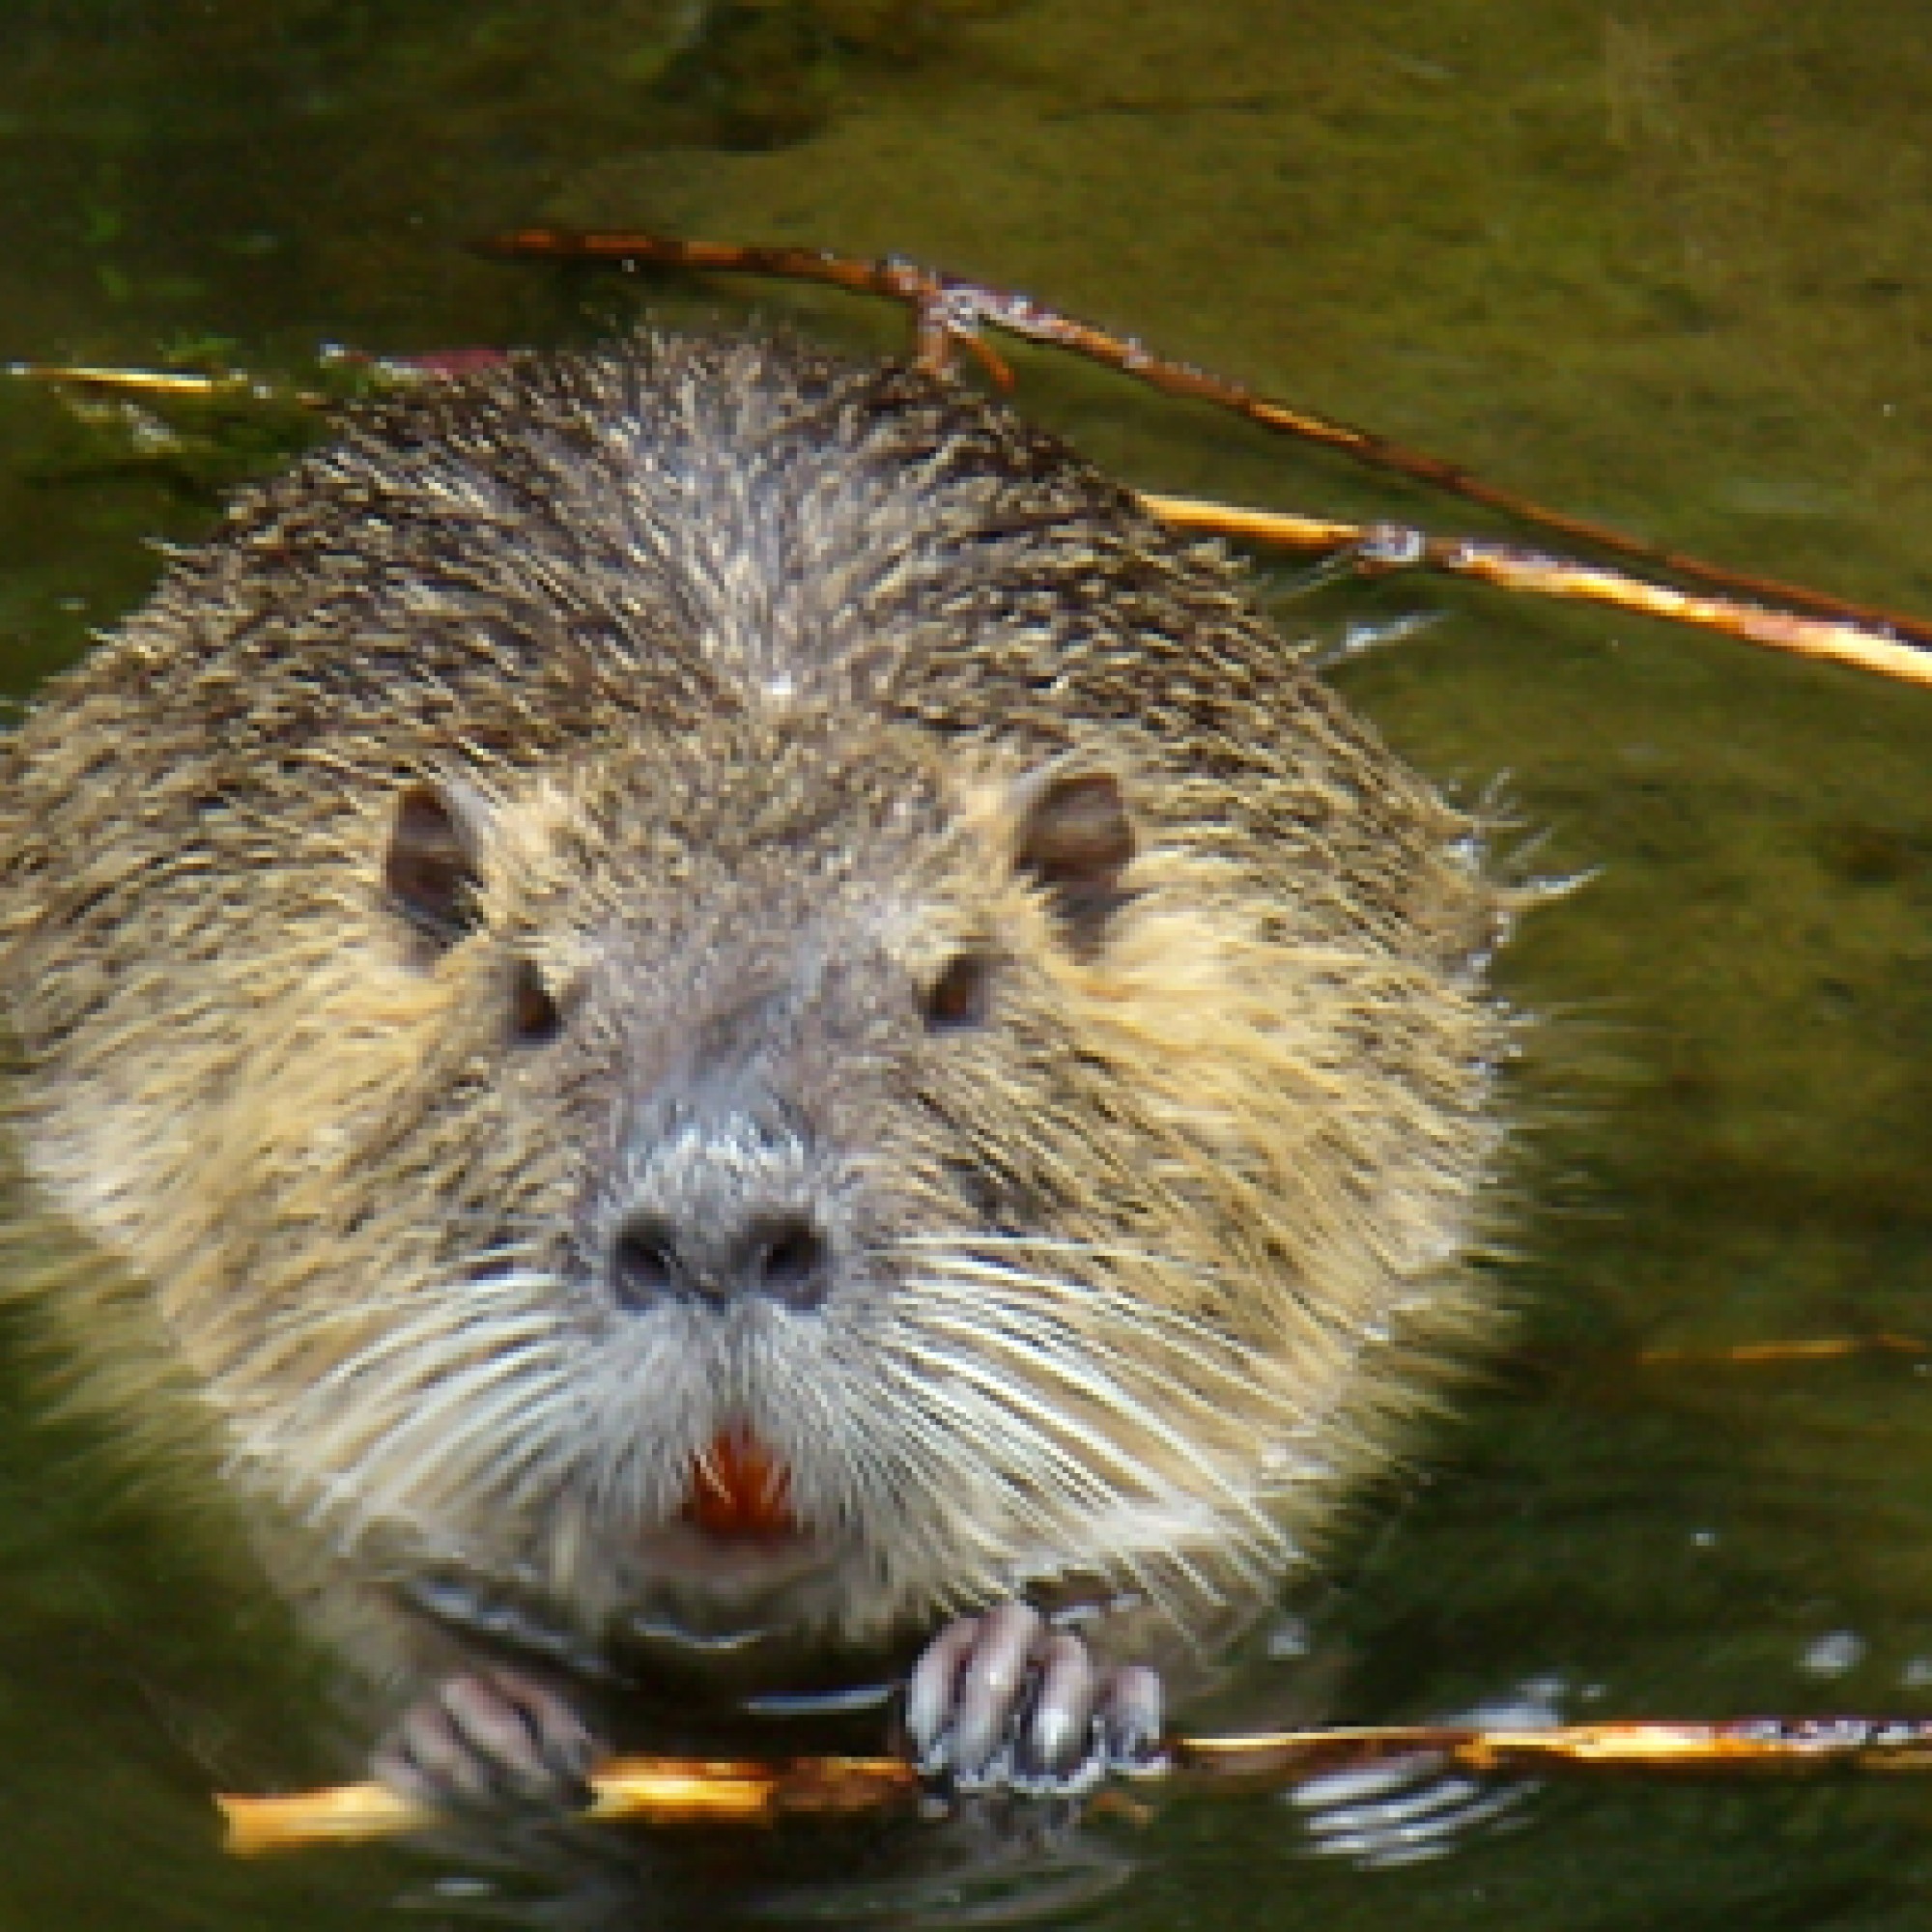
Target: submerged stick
[677, 1791]
[949, 312]
[1811, 1349]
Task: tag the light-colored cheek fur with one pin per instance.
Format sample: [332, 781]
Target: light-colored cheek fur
[1229, 1306]
[324, 1335]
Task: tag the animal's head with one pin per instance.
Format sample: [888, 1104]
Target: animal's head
[797, 1155]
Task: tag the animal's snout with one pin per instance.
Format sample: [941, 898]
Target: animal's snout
[780, 1253]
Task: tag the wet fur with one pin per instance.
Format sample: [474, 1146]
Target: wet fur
[748, 659]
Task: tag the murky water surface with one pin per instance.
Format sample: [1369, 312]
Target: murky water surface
[1663, 264]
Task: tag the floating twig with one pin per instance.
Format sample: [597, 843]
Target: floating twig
[683, 1791]
[653, 1790]
[1376, 549]
[159, 384]
[1805, 1348]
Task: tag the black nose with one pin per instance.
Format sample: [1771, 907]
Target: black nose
[784, 1256]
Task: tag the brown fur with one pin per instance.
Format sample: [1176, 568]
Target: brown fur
[748, 665]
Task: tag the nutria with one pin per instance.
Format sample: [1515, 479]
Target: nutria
[713, 1004]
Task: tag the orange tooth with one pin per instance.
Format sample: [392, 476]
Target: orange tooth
[739, 1489]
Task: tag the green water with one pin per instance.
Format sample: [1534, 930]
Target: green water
[1662, 265]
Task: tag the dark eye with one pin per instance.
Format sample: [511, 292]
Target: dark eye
[535, 1015]
[961, 995]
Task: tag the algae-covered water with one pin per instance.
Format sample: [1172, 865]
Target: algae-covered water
[1665, 266]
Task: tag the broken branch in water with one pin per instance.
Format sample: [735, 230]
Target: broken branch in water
[740, 1792]
[1377, 549]
[659, 1791]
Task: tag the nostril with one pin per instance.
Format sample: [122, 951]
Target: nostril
[654, 1259]
[645, 1267]
[786, 1260]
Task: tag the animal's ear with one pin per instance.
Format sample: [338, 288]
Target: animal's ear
[1075, 840]
[430, 869]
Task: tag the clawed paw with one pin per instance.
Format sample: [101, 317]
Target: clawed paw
[1003, 1700]
[486, 1739]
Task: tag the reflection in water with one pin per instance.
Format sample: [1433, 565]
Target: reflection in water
[986, 1865]
[1399, 1814]
[1406, 1810]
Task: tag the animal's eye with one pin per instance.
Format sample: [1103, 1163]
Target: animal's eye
[961, 994]
[534, 1013]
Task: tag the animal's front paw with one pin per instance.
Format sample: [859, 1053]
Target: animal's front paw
[489, 1738]
[1004, 1699]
